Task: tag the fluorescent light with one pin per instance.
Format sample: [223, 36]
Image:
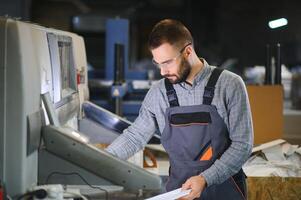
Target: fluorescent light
[277, 23]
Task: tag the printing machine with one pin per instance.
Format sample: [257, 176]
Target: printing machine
[47, 124]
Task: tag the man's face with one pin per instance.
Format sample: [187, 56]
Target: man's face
[172, 63]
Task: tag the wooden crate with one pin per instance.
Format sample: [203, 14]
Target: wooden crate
[274, 188]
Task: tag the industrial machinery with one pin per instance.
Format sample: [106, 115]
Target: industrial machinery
[48, 128]
[122, 83]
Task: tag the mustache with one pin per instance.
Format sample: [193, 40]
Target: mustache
[170, 75]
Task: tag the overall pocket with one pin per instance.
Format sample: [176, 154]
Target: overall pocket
[189, 134]
[206, 153]
[186, 119]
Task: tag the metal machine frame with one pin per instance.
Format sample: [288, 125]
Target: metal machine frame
[33, 105]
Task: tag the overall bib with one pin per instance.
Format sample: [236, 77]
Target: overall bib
[194, 137]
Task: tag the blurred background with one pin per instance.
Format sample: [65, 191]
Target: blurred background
[222, 30]
[229, 34]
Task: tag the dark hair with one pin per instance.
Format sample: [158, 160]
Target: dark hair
[170, 31]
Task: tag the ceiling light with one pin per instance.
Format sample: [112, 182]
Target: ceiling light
[277, 23]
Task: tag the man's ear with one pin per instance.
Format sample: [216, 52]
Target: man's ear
[188, 51]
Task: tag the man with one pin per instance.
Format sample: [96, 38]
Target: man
[203, 115]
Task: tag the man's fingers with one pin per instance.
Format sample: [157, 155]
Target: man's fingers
[186, 185]
[191, 195]
[196, 185]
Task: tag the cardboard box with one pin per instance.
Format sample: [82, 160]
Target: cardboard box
[267, 112]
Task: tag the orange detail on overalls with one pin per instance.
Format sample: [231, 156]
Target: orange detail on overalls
[207, 155]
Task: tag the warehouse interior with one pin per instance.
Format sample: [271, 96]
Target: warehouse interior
[74, 74]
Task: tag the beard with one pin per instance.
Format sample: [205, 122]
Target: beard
[183, 72]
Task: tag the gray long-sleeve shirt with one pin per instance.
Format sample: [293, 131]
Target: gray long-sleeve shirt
[232, 103]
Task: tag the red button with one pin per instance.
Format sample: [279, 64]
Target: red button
[1, 194]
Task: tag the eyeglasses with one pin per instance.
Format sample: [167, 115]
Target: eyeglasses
[170, 61]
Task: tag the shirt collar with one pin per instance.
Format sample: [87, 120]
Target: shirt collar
[201, 74]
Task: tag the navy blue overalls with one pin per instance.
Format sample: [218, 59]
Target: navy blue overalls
[194, 137]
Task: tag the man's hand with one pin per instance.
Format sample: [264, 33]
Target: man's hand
[196, 184]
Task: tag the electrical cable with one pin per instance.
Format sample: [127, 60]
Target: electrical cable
[74, 195]
[83, 179]
[40, 193]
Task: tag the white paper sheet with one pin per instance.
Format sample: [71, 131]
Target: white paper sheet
[174, 194]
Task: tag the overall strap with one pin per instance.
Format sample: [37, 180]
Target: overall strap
[171, 94]
[210, 87]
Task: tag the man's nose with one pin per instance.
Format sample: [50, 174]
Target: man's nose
[163, 71]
